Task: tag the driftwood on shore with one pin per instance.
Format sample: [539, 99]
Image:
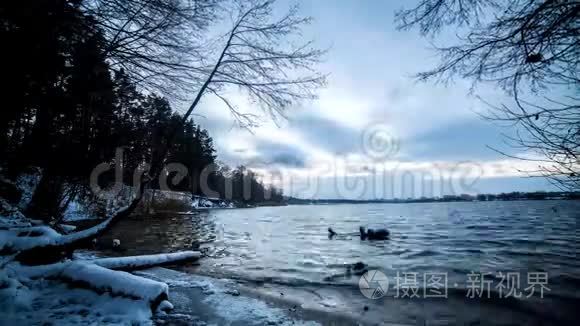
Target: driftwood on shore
[145, 261]
[43, 253]
[108, 275]
[116, 283]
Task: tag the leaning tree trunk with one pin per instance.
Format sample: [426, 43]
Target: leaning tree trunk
[64, 246]
[57, 250]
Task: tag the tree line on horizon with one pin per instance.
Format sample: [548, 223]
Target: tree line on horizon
[68, 108]
[509, 196]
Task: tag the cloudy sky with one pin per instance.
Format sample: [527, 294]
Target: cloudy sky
[373, 132]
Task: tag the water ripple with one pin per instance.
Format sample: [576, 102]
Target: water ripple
[289, 245]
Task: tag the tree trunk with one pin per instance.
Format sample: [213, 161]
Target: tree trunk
[64, 246]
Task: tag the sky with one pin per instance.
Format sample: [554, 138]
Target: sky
[374, 131]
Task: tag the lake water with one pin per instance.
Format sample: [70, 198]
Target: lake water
[289, 247]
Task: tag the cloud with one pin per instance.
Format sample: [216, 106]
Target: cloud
[326, 134]
[371, 65]
[462, 140]
[280, 154]
[286, 159]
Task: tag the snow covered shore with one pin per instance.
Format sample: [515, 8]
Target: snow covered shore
[73, 290]
[202, 300]
[205, 203]
[192, 299]
[76, 211]
[86, 290]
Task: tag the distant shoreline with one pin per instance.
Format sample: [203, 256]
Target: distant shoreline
[299, 201]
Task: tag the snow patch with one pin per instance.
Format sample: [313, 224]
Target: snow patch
[26, 301]
[34, 303]
[10, 216]
[115, 282]
[199, 202]
[67, 228]
[77, 212]
[165, 306]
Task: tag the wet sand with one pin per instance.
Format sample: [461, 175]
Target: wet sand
[203, 300]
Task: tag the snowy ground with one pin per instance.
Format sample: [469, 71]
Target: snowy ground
[38, 296]
[26, 299]
[77, 211]
[88, 290]
[42, 301]
[204, 203]
[197, 300]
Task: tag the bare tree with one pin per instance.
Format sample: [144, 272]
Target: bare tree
[256, 56]
[156, 42]
[530, 49]
[549, 129]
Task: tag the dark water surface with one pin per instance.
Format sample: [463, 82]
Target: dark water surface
[289, 246]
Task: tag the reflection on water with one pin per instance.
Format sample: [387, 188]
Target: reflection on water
[164, 232]
[290, 245]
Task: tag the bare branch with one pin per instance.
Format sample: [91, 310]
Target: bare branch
[527, 47]
[157, 42]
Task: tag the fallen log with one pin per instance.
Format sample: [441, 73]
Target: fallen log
[145, 261]
[46, 250]
[115, 263]
[115, 283]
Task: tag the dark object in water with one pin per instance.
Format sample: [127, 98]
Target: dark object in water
[331, 233]
[366, 308]
[370, 234]
[358, 268]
